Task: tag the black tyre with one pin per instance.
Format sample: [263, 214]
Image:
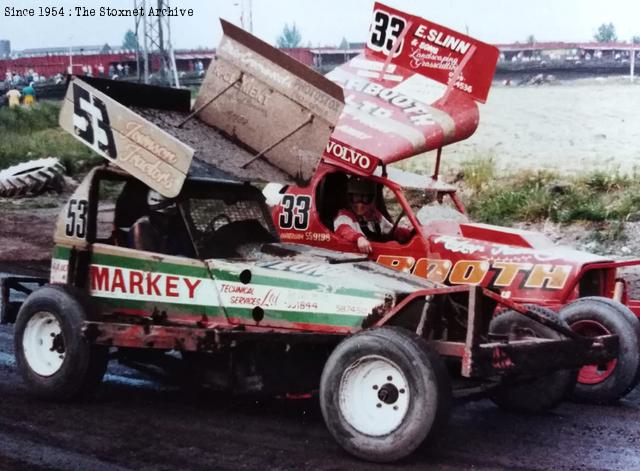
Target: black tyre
[32, 177]
[383, 392]
[608, 382]
[53, 357]
[531, 393]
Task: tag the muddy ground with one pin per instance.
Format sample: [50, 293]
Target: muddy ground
[134, 423]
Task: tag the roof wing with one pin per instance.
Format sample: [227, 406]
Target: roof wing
[277, 108]
[131, 142]
[387, 117]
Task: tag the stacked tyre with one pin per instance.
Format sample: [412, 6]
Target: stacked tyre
[32, 178]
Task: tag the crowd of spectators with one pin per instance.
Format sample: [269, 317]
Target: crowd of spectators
[19, 88]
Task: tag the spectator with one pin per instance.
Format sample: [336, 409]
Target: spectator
[100, 70]
[126, 70]
[119, 68]
[13, 96]
[29, 95]
[112, 70]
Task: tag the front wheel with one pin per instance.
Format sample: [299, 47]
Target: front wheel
[383, 392]
[53, 357]
[593, 316]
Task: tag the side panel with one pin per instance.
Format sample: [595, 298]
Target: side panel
[293, 295]
[133, 283]
[277, 294]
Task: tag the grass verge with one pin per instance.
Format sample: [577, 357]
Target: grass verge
[532, 196]
[32, 133]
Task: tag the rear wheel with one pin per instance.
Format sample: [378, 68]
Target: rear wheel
[531, 393]
[383, 392]
[610, 381]
[53, 357]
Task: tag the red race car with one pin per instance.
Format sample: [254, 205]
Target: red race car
[387, 119]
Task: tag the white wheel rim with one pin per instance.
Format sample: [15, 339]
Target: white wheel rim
[43, 344]
[373, 396]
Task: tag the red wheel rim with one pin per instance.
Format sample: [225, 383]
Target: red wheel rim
[593, 374]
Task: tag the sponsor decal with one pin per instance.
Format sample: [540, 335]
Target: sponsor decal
[419, 113]
[59, 270]
[136, 132]
[303, 268]
[317, 236]
[291, 236]
[237, 295]
[115, 280]
[506, 251]
[350, 156]
[416, 44]
[454, 244]
[473, 272]
[442, 38]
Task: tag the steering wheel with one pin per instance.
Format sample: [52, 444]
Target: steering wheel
[397, 221]
[216, 222]
[395, 226]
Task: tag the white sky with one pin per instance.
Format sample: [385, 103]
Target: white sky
[325, 22]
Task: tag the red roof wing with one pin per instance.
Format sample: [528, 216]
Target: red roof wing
[387, 117]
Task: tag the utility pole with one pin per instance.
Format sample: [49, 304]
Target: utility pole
[156, 31]
[246, 17]
[633, 63]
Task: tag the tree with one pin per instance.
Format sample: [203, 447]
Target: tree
[130, 42]
[635, 40]
[606, 33]
[290, 37]
[106, 49]
[531, 39]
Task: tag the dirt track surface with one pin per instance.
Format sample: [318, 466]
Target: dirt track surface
[134, 423]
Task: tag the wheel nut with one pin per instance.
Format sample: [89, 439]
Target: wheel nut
[389, 378]
[375, 387]
[378, 405]
[395, 407]
[402, 391]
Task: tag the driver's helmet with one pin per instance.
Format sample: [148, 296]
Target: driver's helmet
[361, 190]
[160, 204]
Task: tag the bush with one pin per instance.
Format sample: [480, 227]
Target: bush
[32, 133]
[530, 196]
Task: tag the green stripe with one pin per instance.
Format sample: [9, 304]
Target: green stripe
[61, 252]
[149, 265]
[295, 284]
[321, 318]
[224, 275]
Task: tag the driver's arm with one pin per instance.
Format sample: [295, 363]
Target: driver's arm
[345, 227]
